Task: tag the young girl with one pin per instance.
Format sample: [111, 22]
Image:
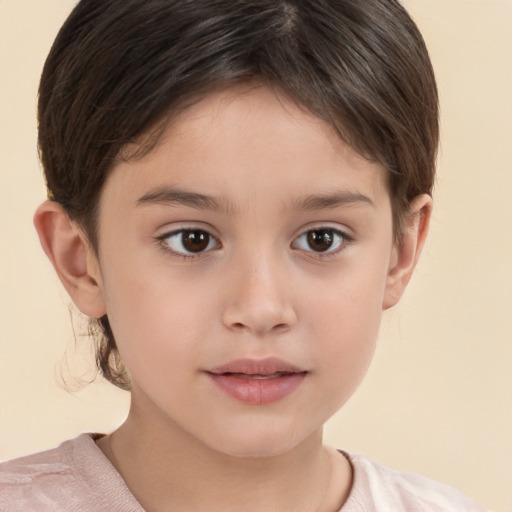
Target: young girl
[237, 190]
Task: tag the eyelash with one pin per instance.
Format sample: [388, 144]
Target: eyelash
[346, 240]
[188, 257]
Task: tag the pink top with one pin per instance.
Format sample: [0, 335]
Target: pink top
[76, 476]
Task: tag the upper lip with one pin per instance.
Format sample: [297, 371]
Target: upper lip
[266, 366]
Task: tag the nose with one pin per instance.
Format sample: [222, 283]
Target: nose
[258, 297]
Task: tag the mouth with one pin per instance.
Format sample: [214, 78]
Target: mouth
[269, 366]
[257, 382]
[259, 376]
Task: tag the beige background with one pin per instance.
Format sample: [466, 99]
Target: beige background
[438, 398]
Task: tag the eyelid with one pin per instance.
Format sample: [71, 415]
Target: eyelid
[161, 239]
[346, 240]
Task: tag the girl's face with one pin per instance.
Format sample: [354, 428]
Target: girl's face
[244, 265]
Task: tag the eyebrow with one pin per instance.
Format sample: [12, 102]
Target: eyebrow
[171, 195]
[330, 201]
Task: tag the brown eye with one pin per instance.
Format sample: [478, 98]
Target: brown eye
[189, 241]
[321, 240]
[195, 241]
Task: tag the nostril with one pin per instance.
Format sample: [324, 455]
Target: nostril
[240, 327]
[258, 317]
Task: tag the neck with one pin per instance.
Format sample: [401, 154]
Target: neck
[165, 469]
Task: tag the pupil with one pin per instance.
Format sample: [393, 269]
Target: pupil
[195, 241]
[320, 240]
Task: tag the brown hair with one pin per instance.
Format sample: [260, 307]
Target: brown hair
[119, 69]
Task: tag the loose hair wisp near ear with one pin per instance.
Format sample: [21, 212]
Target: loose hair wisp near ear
[120, 69]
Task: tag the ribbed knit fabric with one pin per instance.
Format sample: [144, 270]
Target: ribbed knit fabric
[77, 477]
[74, 477]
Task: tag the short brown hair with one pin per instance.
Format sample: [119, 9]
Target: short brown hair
[119, 69]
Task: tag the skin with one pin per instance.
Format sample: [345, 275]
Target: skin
[258, 290]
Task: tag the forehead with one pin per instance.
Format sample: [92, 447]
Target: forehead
[247, 143]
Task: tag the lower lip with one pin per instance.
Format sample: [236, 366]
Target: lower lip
[258, 391]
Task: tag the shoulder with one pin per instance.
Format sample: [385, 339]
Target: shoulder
[73, 476]
[33, 481]
[377, 487]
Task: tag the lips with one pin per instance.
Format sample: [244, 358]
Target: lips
[257, 382]
[259, 376]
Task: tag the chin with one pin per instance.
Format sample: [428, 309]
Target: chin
[254, 451]
[260, 442]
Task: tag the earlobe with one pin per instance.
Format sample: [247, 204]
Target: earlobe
[405, 256]
[72, 258]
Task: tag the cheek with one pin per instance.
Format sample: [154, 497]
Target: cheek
[345, 326]
[348, 301]
[155, 319]
[349, 329]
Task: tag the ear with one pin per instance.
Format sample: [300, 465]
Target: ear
[406, 254]
[74, 261]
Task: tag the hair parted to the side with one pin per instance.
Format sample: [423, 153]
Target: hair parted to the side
[120, 69]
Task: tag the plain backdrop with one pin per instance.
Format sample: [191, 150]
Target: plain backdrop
[438, 397]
